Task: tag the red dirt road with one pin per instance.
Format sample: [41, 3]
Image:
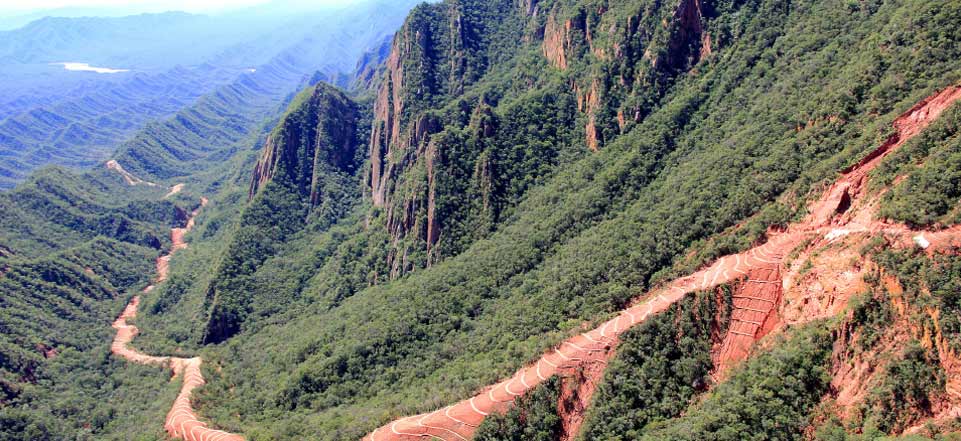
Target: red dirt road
[755, 300]
[182, 422]
[458, 422]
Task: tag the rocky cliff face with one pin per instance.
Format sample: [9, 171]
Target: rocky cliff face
[315, 141]
[418, 73]
[425, 92]
[448, 157]
[305, 175]
[437, 53]
[641, 55]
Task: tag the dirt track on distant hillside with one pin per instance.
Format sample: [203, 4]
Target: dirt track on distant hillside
[127, 176]
[182, 422]
[841, 210]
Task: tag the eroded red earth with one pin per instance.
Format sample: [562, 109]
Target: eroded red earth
[843, 209]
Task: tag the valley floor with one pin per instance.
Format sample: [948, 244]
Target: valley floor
[182, 422]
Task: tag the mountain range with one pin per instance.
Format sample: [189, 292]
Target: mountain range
[515, 220]
[164, 62]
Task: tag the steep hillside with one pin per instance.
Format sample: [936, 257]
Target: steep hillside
[535, 166]
[303, 175]
[75, 246]
[536, 219]
[750, 306]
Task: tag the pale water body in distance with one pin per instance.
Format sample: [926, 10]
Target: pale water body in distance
[84, 67]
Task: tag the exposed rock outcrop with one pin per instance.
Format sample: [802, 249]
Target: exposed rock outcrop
[557, 41]
[684, 47]
[437, 55]
[314, 141]
[306, 173]
[416, 72]
[385, 132]
[671, 48]
[589, 102]
[412, 164]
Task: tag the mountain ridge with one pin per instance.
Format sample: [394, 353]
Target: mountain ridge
[431, 324]
[520, 182]
[89, 238]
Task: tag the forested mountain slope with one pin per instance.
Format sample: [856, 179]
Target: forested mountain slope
[51, 115]
[543, 219]
[84, 127]
[749, 303]
[536, 165]
[74, 246]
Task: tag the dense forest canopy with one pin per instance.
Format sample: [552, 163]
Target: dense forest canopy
[505, 174]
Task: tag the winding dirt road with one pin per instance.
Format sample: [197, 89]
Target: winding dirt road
[758, 271]
[182, 422]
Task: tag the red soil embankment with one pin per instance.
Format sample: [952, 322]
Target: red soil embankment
[576, 394]
[756, 301]
[753, 315]
[182, 422]
[459, 421]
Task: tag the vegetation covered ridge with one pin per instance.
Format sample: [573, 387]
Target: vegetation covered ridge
[400, 309]
[830, 216]
[73, 244]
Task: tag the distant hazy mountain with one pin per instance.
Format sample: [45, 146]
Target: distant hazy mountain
[10, 20]
[160, 63]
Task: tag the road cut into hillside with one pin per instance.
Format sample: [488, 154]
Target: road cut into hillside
[844, 208]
